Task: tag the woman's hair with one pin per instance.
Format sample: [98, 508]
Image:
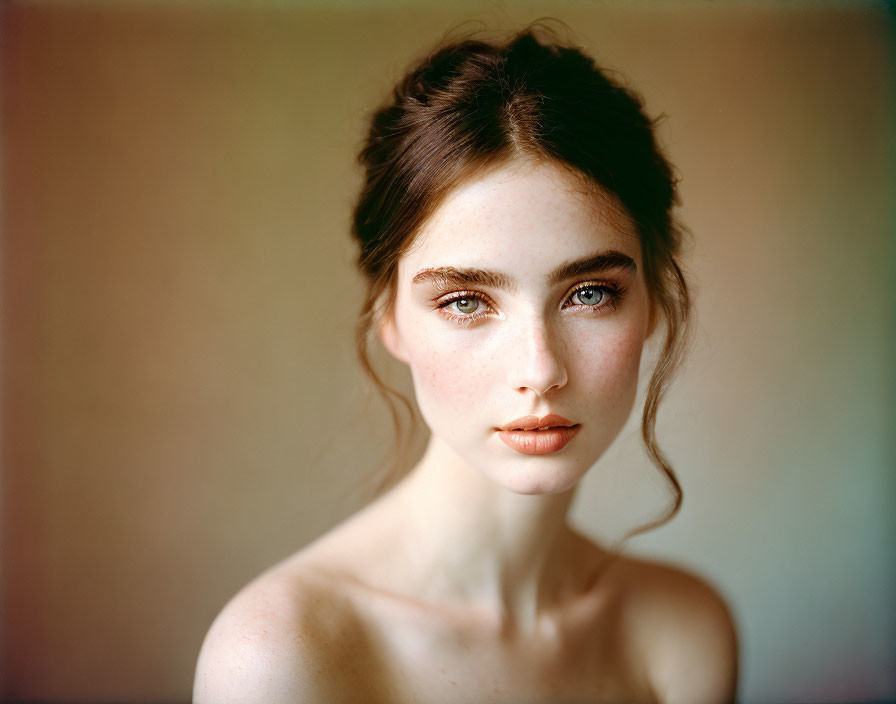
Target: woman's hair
[472, 105]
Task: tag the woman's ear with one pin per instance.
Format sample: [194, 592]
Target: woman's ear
[391, 338]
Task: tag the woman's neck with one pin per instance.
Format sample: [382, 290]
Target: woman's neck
[466, 540]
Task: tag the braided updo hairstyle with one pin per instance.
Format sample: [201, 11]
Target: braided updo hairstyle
[472, 105]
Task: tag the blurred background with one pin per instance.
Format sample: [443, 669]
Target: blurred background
[179, 297]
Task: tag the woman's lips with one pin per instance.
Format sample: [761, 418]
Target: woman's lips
[532, 435]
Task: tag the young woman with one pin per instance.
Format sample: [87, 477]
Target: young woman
[516, 231]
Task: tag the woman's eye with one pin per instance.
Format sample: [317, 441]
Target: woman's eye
[466, 305]
[589, 296]
[466, 308]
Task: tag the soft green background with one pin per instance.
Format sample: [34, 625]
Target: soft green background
[181, 402]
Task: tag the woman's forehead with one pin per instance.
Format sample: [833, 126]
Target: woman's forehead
[527, 218]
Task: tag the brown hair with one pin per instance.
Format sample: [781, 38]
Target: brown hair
[471, 105]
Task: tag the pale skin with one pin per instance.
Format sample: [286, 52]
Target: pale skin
[465, 583]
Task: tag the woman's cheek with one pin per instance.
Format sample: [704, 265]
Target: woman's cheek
[609, 362]
[448, 378]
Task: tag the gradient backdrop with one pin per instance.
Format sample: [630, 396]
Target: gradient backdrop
[181, 403]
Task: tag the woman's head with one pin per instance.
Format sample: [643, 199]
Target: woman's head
[521, 302]
[473, 108]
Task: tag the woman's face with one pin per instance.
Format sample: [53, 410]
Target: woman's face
[522, 298]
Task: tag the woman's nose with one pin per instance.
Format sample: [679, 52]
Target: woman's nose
[538, 363]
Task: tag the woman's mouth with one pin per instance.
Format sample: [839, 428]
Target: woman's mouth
[532, 435]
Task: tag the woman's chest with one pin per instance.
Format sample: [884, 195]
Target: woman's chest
[441, 660]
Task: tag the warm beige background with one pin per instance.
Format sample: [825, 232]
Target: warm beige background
[181, 405]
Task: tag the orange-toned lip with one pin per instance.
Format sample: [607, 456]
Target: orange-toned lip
[539, 442]
[535, 423]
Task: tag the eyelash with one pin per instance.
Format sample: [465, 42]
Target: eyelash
[612, 292]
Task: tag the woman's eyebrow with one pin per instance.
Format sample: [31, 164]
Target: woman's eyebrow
[451, 277]
[595, 264]
[446, 277]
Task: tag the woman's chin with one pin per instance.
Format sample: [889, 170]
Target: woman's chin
[521, 473]
[536, 480]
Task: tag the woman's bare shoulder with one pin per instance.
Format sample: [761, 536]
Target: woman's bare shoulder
[685, 629]
[280, 639]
